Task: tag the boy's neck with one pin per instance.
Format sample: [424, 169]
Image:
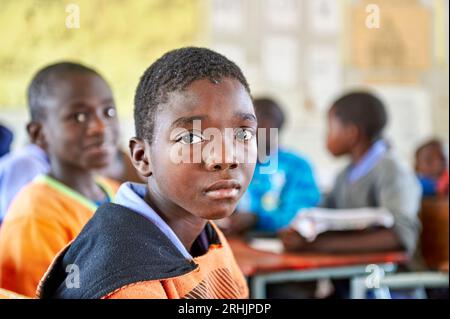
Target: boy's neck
[360, 149]
[186, 226]
[79, 180]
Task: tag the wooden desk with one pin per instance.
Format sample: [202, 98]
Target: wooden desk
[265, 267]
[434, 216]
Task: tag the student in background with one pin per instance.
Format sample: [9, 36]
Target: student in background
[274, 197]
[73, 119]
[432, 168]
[156, 240]
[19, 168]
[6, 137]
[375, 178]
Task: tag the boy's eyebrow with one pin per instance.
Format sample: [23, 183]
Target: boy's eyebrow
[186, 120]
[246, 116]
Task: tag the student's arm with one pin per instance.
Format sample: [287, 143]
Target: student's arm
[300, 191]
[398, 190]
[375, 240]
[28, 247]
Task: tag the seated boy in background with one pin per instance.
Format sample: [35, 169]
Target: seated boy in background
[274, 197]
[19, 168]
[432, 168]
[156, 240]
[374, 179]
[74, 121]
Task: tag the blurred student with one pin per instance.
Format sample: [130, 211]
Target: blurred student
[274, 197]
[432, 168]
[19, 168]
[374, 179]
[6, 138]
[157, 240]
[73, 119]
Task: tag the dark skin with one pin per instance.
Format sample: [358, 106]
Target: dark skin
[79, 131]
[430, 161]
[240, 223]
[344, 140]
[180, 192]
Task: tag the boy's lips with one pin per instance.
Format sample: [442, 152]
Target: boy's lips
[99, 147]
[223, 189]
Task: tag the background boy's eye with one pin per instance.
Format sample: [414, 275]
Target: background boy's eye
[190, 138]
[244, 134]
[80, 117]
[111, 112]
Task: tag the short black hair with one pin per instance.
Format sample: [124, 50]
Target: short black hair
[433, 143]
[174, 71]
[42, 84]
[269, 108]
[364, 110]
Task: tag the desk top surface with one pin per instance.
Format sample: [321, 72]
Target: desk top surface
[252, 261]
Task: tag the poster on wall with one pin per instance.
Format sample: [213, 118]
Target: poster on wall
[323, 79]
[324, 17]
[284, 14]
[279, 58]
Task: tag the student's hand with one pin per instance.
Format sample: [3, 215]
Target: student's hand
[291, 239]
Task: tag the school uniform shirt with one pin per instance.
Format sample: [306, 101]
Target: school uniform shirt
[276, 197]
[42, 219]
[17, 169]
[379, 179]
[127, 251]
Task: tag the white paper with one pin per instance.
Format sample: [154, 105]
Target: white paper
[280, 56]
[323, 16]
[272, 245]
[282, 13]
[409, 110]
[228, 15]
[323, 76]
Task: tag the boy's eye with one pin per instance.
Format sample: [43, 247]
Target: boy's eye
[111, 112]
[244, 134]
[190, 138]
[80, 117]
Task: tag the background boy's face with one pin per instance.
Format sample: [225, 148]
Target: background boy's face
[266, 121]
[190, 186]
[80, 126]
[340, 137]
[430, 162]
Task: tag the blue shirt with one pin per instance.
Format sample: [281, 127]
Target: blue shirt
[131, 196]
[277, 197]
[6, 137]
[368, 161]
[17, 170]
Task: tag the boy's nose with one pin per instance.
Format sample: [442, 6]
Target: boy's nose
[96, 125]
[221, 166]
[222, 159]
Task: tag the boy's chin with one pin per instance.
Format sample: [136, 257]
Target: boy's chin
[215, 214]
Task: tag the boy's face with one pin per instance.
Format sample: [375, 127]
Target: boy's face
[80, 127]
[211, 187]
[431, 162]
[340, 137]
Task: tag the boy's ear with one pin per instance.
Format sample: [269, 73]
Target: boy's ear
[36, 134]
[140, 157]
